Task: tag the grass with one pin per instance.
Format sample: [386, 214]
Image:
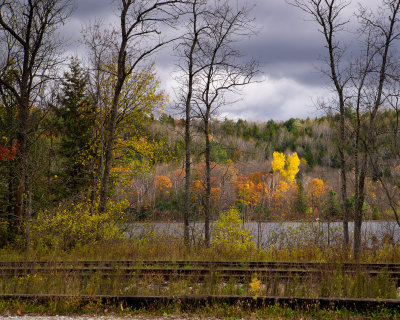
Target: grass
[165, 247]
[171, 249]
[330, 284]
[239, 310]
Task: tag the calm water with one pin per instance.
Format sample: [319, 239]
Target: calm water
[280, 234]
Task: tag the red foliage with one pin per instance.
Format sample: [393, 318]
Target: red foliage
[8, 152]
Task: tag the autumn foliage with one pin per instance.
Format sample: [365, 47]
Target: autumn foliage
[248, 192]
[270, 193]
[292, 165]
[8, 153]
[316, 191]
[163, 183]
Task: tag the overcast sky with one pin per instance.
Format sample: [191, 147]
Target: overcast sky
[288, 47]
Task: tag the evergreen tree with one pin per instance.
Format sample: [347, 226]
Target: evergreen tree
[75, 122]
[332, 206]
[301, 199]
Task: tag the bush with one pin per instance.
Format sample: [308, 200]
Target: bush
[229, 238]
[77, 225]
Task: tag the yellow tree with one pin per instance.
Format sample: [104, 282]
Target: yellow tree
[278, 164]
[283, 193]
[140, 99]
[242, 188]
[248, 192]
[292, 165]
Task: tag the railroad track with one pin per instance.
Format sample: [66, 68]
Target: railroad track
[391, 267]
[197, 270]
[182, 273]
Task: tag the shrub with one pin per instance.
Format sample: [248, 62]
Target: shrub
[229, 238]
[77, 225]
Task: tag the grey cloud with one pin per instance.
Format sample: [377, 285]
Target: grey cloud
[89, 8]
[287, 46]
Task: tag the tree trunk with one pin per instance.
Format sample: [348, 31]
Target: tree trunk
[343, 174]
[207, 206]
[28, 212]
[187, 174]
[358, 212]
[22, 165]
[343, 190]
[104, 186]
[188, 107]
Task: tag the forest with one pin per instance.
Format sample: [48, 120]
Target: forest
[97, 138]
[95, 154]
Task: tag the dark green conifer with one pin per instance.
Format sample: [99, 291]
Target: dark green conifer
[75, 120]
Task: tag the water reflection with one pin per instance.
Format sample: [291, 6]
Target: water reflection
[280, 233]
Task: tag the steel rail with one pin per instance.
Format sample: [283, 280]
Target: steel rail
[205, 264]
[199, 274]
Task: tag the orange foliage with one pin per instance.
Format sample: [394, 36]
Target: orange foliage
[251, 190]
[178, 178]
[198, 191]
[255, 177]
[8, 153]
[316, 190]
[163, 183]
[179, 174]
[215, 194]
[246, 191]
[283, 198]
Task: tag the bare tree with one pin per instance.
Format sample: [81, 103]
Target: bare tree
[188, 66]
[223, 71]
[328, 15]
[98, 42]
[363, 89]
[29, 46]
[372, 79]
[387, 171]
[139, 37]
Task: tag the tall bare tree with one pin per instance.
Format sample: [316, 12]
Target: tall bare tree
[30, 53]
[328, 15]
[100, 54]
[223, 71]
[387, 171]
[372, 79]
[188, 49]
[139, 30]
[362, 92]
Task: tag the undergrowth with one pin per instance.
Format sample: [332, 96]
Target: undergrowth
[215, 310]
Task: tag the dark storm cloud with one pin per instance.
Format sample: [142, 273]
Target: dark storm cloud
[288, 47]
[88, 9]
[287, 44]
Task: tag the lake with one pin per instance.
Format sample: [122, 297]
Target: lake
[279, 233]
